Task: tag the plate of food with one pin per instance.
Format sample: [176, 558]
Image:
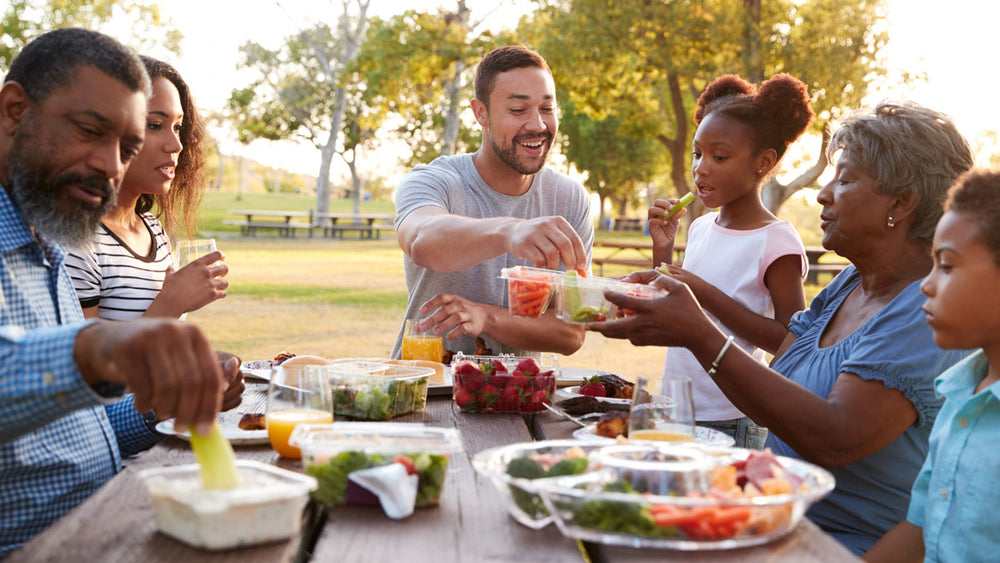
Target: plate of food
[702, 435]
[241, 429]
[261, 369]
[601, 385]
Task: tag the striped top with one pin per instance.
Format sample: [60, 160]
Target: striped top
[117, 279]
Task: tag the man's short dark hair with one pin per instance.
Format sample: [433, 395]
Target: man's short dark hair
[50, 61]
[500, 60]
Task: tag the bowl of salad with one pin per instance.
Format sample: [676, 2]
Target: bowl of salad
[750, 497]
[331, 452]
[581, 299]
[373, 390]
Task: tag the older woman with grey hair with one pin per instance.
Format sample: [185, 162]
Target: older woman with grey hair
[851, 388]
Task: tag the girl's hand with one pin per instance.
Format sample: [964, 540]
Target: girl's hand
[694, 282]
[663, 230]
[192, 287]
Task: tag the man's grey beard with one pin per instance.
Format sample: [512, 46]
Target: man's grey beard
[38, 202]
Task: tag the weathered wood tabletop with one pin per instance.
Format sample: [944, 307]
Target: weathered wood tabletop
[470, 524]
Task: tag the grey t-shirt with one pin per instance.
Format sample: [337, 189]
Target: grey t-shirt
[454, 184]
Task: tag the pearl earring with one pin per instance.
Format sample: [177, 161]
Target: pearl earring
[760, 171]
[890, 222]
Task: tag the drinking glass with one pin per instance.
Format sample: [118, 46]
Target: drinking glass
[188, 250]
[296, 395]
[421, 345]
[664, 416]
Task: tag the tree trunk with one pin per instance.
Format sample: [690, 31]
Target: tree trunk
[355, 182]
[751, 40]
[454, 89]
[774, 193]
[323, 179]
[239, 178]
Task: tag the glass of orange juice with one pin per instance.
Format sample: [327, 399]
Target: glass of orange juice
[421, 345]
[296, 395]
[666, 416]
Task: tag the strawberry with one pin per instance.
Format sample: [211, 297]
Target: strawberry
[499, 368]
[593, 388]
[488, 396]
[509, 400]
[407, 463]
[463, 397]
[519, 379]
[499, 380]
[468, 376]
[528, 366]
[535, 400]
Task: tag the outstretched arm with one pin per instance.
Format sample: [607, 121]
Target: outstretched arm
[439, 241]
[456, 316]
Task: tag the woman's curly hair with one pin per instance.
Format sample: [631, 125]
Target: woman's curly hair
[179, 206]
[778, 112]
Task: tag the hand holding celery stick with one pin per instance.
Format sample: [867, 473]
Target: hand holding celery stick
[217, 460]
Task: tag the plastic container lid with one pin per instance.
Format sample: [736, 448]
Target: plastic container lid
[324, 440]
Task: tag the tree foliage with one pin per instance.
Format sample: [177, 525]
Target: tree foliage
[408, 63]
[645, 62]
[23, 20]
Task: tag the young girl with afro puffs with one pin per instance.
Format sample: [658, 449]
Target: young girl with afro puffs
[953, 504]
[743, 264]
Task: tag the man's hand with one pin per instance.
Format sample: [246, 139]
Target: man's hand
[455, 316]
[547, 240]
[234, 380]
[169, 366]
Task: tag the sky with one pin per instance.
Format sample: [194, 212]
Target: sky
[948, 41]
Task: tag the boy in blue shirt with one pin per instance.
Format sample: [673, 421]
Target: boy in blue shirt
[952, 515]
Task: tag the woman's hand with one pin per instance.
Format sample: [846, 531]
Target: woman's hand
[695, 283]
[192, 287]
[672, 320]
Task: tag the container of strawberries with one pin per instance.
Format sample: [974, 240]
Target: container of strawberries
[505, 383]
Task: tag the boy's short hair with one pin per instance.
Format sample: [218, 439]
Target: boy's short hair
[977, 196]
[50, 61]
[500, 60]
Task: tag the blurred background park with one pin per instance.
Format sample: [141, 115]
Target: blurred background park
[324, 104]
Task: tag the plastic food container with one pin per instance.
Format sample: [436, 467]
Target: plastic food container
[332, 451]
[536, 461]
[503, 383]
[529, 290]
[581, 300]
[371, 390]
[642, 502]
[267, 506]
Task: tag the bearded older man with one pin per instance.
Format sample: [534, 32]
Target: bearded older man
[72, 115]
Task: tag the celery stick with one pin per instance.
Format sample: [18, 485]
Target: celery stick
[216, 458]
[681, 204]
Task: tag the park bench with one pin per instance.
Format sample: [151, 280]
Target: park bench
[368, 225]
[263, 219]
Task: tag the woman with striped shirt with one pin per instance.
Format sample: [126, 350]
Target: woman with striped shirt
[128, 272]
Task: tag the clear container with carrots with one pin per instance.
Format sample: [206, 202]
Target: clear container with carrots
[530, 290]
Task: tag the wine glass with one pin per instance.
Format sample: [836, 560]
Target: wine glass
[421, 345]
[296, 395]
[664, 416]
[188, 250]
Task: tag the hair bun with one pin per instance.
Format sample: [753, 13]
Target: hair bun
[784, 101]
[722, 87]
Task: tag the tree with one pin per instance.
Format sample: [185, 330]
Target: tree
[418, 67]
[24, 20]
[647, 62]
[299, 91]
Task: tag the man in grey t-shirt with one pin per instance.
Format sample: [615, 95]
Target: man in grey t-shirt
[463, 218]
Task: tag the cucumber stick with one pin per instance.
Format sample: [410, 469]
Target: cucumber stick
[216, 458]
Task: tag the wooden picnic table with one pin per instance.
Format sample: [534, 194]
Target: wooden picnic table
[368, 225]
[281, 221]
[470, 524]
[644, 249]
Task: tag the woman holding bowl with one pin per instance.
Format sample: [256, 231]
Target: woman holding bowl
[851, 387]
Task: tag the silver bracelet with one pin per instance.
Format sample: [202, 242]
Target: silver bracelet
[718, 359]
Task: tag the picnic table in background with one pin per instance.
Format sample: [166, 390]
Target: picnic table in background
[814, 254]
[368, 225]
[636, 255]
[280, 221]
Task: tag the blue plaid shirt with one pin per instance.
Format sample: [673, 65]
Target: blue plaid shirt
[59, 440]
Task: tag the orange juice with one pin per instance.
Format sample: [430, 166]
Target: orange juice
[660, 435]
[281, 423]
[423, 347]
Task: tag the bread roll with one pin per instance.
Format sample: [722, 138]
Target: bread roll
[305, 361]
